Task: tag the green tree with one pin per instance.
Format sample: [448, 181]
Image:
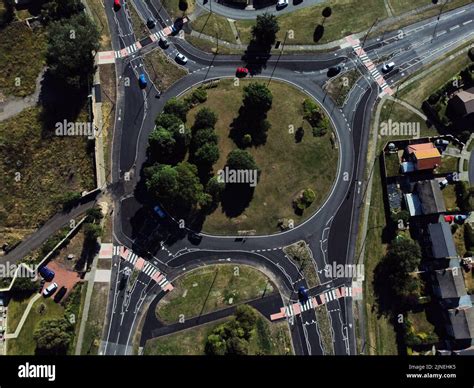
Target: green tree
[176, 107]
[205, 118]
[71, 46]
[202, 137]
[23, 287]
[207, 155]
[92, 231]
[241, 160]
[168, 121]
[257, 97]
[215, 188]
[162, 144]
[53, 336]
[403, 257]
[183, 5]
[246, 316]
[60, 9]
[265, 29]
[162, 181]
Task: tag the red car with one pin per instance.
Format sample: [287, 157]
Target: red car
[449, 219]
[117, 4]
[242, 71]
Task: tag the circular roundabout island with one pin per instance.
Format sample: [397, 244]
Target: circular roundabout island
[242, 157]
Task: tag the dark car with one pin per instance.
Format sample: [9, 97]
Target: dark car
[151, 23]
[303, 294]
[123, 281]
[164, 42]
[60, 294]
[46, 273]
[159, 211]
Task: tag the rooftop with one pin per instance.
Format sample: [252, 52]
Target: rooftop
[442, 243]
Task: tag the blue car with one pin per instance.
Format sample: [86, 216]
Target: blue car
[46, 273]
[160, 212]
[142, 81]
[303, 294]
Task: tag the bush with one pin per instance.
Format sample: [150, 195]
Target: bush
[205, 118]
[469, 237]
[198, 96]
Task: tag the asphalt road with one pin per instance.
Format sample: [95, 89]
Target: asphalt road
[330, 232]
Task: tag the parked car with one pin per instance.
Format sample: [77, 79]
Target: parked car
[449, 219]
[180, 58]
[46, 273]
[151, 23]
[123, 281]
[60, 294]
[164, 42]
[388, 67]
[282, 4]
[48, 291]
[159, 211]
[303, 294]
[241, 72]
[142, 81]
[117, 5]
[443, 183]
[460, 218]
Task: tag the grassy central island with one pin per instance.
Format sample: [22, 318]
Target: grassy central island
[278, 130]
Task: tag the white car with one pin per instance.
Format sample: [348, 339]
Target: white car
[50, 289]
[282, 3]
[388, 67]
[181, 58]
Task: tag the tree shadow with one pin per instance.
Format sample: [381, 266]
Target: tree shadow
[256, 57]
[60, 104]
[318, 33]
[236, 198]
[252, 122]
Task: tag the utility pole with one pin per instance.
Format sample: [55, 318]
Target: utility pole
[278, 59]
[437, 21]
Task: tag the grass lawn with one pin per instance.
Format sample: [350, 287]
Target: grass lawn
[392, 164]
[287, 166]
[325, 329]
[95, 319]
[338, 88]
[100, 18]
[76, 304]
[469, 281]
[25, 344]
[173, 9]
[210, 47]
[104, 264]
[420, 90]
[459, 242]
[448, 164]
[268, 339]
[380, 334]
[163, 72]
[22, 56]
[301, 254]
[347, 17]
[211, 288]
[215, 26]
[139, 28]
[399, 114]
[449, 195]
[16, 308]
[47, 168]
